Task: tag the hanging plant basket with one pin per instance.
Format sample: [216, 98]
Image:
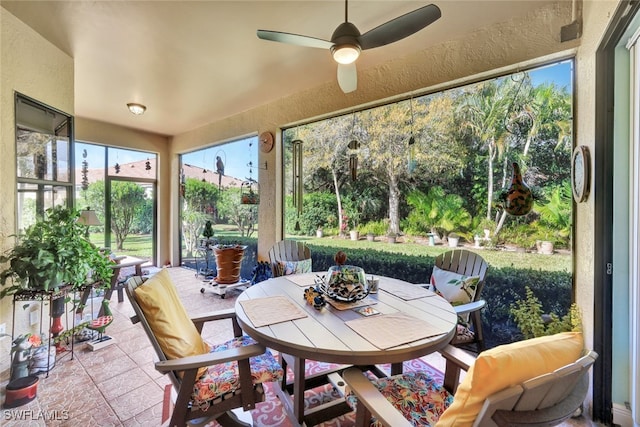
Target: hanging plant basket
[250, 192]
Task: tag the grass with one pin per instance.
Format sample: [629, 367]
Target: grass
[140, 245]
[497, 258]
[135, 245]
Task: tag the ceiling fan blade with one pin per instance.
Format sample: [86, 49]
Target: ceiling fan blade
[400, 27]
[347, 77]
[295, 39]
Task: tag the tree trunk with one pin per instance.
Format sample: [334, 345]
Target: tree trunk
[394, 203]
[490, 179]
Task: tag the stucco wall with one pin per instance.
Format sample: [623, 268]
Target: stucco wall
[499, 48]
[34, 67]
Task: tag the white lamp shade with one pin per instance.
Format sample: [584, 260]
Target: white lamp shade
[346, 53]
[88, 217]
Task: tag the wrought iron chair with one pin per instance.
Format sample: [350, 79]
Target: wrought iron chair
[289, 256]
[502, 393]
[468, 265]
[209, 381]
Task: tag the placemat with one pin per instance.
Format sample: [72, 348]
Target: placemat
[391, 330]
[305, 280]
[406, 292]
[343, 305]
[271, 310]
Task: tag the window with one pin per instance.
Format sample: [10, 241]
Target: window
[218, 185]
[120, 186]
[43, 156]
[431, 170]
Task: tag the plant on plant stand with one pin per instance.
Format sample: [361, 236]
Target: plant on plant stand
[53, 253]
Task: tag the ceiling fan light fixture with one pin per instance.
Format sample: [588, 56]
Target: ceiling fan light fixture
[345, 53]
[136, 108]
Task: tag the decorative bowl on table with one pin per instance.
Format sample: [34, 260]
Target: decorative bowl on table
[346, 283]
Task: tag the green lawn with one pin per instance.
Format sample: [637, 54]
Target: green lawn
[136, 245]
[139, 245]
[559, 261]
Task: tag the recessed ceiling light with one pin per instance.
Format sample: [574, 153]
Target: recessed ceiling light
[136, 109]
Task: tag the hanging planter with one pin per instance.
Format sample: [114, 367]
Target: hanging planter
[249, 192]
[518, 199]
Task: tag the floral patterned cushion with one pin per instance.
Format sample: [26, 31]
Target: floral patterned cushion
[222, 379]
[415, 394]
[294, 267]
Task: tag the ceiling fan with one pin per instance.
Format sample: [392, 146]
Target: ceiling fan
[347, 42]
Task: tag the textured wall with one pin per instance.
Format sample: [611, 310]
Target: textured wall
[34, 67]
[496, 49]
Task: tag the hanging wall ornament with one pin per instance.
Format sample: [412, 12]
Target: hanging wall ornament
[518, 199]
[249, 190]
[297, 179]
[353, 160]
[85, 170]
[411, 162]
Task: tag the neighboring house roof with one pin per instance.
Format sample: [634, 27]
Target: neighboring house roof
[139, 170]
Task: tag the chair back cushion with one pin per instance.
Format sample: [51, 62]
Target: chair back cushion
[173, 329]
[294, 267]
[456, 288]
[508, 365]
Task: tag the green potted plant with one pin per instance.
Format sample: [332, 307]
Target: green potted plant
[51, 253]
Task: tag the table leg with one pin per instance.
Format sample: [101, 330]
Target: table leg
[298, 388]
[396, 368]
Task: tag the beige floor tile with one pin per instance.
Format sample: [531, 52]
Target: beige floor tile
[123, 383]
[136, 401]
[148, 417]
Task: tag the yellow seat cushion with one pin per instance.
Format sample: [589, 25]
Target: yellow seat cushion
[505, 366]
[168, 319]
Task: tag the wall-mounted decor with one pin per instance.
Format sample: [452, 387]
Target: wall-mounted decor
[580, 173]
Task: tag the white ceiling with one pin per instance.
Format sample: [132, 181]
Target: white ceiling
[193, 63]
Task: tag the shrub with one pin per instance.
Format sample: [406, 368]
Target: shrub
[533, 322]
[502, 288]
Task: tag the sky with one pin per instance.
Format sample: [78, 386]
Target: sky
[235, 155]
[560, 73]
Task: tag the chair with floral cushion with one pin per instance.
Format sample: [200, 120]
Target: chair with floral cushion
[289, 257]
[210, 381]
[537, 382]
[458, 276]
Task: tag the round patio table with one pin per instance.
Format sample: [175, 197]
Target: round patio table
[330, 334]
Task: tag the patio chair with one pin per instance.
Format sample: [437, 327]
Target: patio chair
[209, 381]
[289, 257]
[537, 382]
[458, 276]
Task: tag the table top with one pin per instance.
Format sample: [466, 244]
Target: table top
[330, 335]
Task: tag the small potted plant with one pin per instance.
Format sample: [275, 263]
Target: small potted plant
[207, 233]
[453, 239]
[392, 237]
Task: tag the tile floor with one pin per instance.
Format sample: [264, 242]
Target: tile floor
[117, 385]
